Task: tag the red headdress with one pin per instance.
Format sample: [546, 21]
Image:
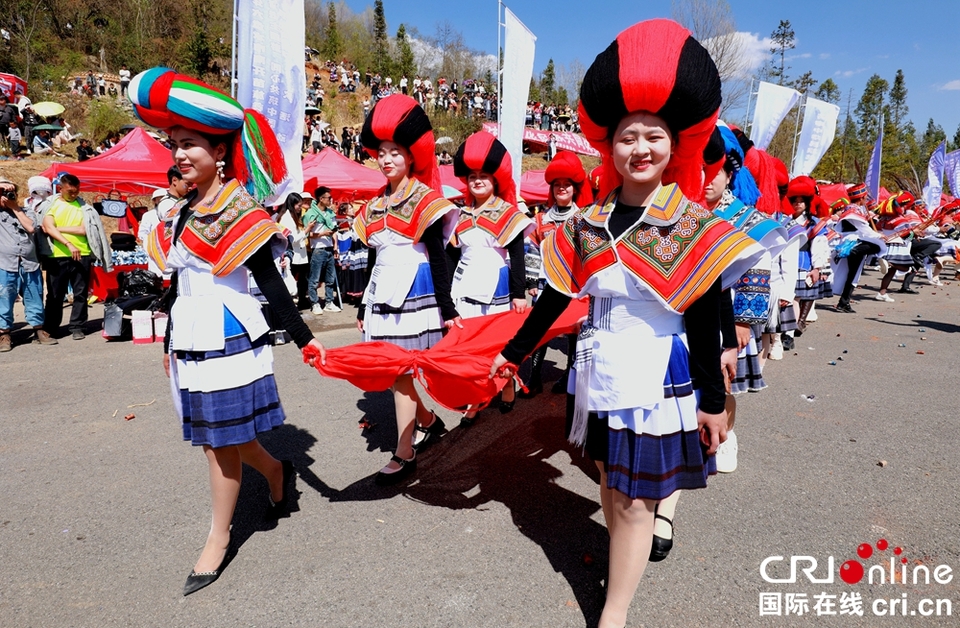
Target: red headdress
[770, 174]
[400, 119]
[566, 165]
[857, 192]
[806, 187]
[482, 151]
[655, 66]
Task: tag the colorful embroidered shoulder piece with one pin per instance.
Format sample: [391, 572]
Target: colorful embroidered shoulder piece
[228, 233]
[159, 240]
[499, 218]
[678, 259]
[419, 208]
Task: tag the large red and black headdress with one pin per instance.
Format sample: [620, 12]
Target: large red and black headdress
[483, 152]
[806, 187]
[566, 165]
[400, 119]
[658, 67]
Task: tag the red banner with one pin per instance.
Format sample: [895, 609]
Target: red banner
[539, 140]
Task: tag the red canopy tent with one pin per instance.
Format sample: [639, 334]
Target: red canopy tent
[533, 187]
[137, 165]
[348, 180]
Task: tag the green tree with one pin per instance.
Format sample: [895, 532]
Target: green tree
[932, 136]
[332, 43]
[804, 82]
[535, 94]
[897, 101]
[407, 65]
[381, 46]
[870, 107]
[955, 145]
[783, 39]
[548, 83]
[828, 91]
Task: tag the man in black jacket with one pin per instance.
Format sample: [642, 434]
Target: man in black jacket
[30, 120]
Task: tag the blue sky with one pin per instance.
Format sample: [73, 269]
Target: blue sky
[847, 40]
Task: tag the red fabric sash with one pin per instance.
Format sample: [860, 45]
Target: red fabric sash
[454, 371]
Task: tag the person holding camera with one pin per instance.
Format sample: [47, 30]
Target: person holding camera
[19, 266]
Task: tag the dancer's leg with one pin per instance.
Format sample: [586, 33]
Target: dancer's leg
[226, 470]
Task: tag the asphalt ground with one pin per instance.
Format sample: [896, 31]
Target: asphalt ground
[102, 518]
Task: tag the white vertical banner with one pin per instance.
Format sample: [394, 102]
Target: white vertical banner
[816, 135]
[270, 75]
[519, 46]
[934, 187]
[951, 168]
[773, 104]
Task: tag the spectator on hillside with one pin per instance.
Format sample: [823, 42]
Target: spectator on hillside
[91, 84]
[101, 85]
[8, 117]
[84, 150]
[15, 136]
[403, 84]
[41, 143]
[77, 239]
[19, 266]
[316, 137]
[124, 80]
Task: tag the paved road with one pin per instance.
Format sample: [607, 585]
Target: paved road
[102, 518]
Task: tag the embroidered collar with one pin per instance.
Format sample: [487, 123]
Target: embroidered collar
[664, 210]
[219, 202]
[555, 215]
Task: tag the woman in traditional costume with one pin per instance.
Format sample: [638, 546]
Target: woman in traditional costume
[810, 211]
[490, 274]
[651, 261]
[407, 227]
[568, 192]
[217, 350]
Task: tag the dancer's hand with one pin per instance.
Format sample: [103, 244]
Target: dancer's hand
[713, 430]
[814, 275]
[502, 368]
[784, 303]
[519, 306]
[314, 351]
[533, 292]
[728, 363]
[743, 335]
[166, 364]
[456, 322]
[360, 324]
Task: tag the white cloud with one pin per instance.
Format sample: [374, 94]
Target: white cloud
[824, 55]
[429, 58]
[805, 55]
[751, 52]
[951, 86]
[849, 73]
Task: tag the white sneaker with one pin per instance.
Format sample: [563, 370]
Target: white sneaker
[884, 266]
[936, 282]
[332, 308]
[727, 454]
[317, 309]
[884, 297]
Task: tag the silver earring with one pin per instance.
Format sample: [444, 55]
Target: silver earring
[220, 165]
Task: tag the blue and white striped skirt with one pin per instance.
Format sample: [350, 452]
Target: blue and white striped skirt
[651, 453]
[228, 396]
[415, 324]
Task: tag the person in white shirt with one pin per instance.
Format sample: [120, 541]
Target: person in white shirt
[124, 80]
[177, 190]
[148, 222]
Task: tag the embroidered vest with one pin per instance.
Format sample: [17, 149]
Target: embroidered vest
[678, 250]
[419, 208]
[499, 218]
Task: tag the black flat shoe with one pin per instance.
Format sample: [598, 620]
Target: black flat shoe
[507, 406]
[196, 581]
[908, 291]
[280, 508]
[661, 547]
[427, 434]
[468, 421]
[532, 391]
[389, 478]
[845, 308]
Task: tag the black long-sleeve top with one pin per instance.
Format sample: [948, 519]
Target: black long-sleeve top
[701, 321]
[433, 240]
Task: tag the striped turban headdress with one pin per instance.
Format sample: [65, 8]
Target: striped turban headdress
[483, 152]
[401, 120]
[658, 67]
[164, 99]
